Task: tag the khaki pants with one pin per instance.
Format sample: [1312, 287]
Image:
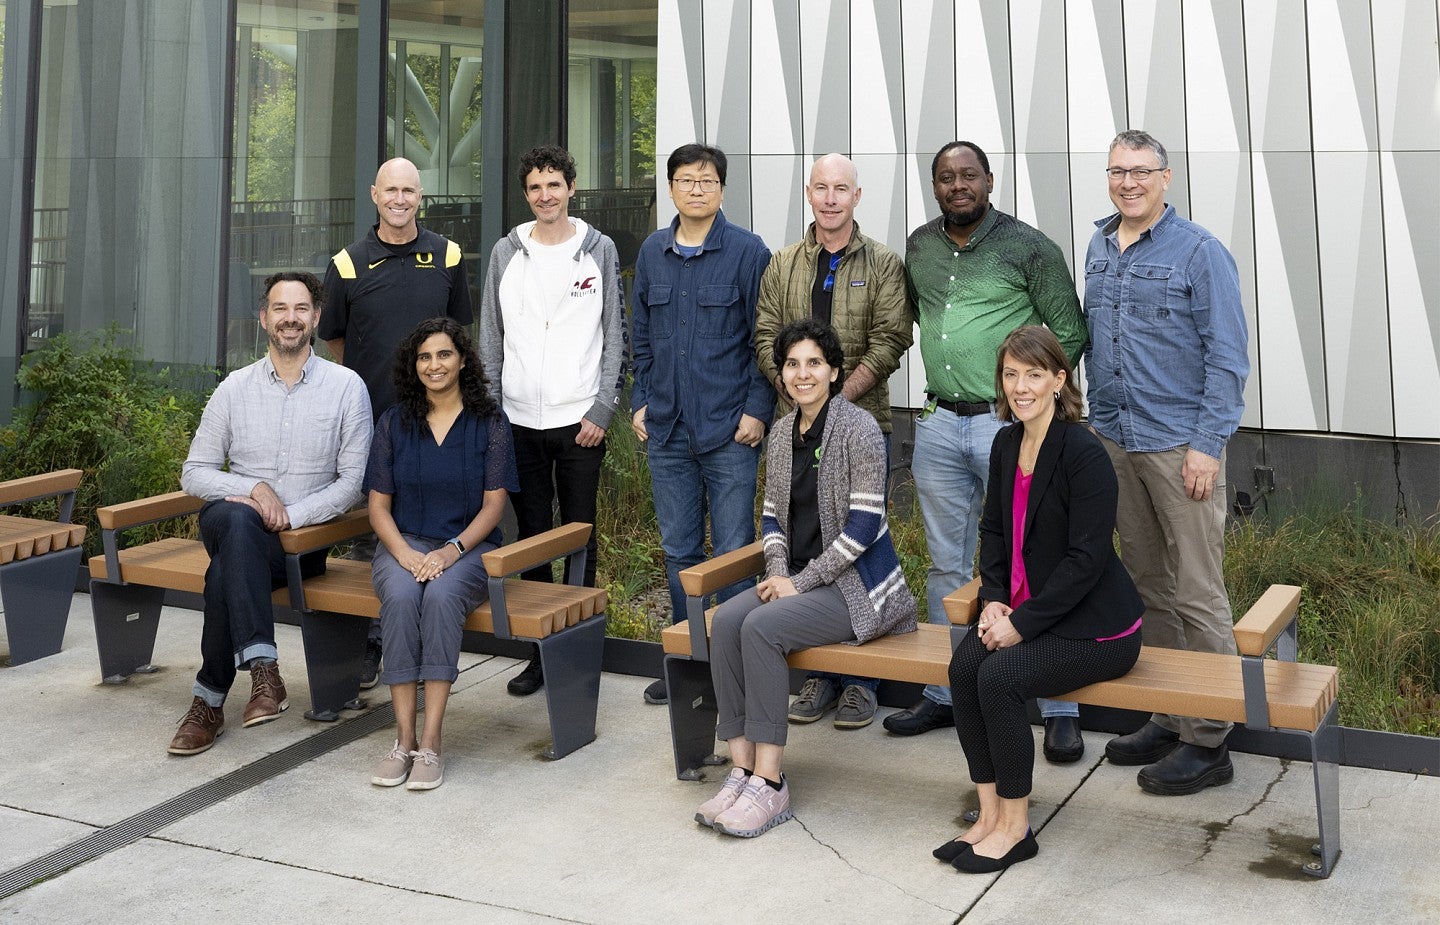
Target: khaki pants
[1174, 549]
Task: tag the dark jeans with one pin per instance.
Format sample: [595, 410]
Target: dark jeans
[246, 565]
[551, 464]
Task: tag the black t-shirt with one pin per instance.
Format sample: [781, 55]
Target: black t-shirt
[822, 300]
[805, 541]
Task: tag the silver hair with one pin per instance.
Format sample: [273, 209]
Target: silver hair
[1135, 139]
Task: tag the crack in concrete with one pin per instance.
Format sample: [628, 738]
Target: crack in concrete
[865, 873]
[1213, 830]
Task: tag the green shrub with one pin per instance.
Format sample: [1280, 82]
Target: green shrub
[95, 405]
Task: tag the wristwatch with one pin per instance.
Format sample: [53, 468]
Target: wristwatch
[455, 541]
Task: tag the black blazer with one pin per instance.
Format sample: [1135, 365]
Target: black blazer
[1078, 587]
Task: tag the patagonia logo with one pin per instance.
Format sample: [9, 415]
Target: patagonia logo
[425, 260]
[857, 283]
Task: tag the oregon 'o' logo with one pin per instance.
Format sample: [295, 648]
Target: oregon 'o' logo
[425, 260]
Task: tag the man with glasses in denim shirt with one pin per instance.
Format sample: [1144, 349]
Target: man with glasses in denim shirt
[857, 285]
[700, 404]
[1166, 367]
[975, 274]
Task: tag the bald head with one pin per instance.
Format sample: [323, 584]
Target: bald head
[834, 192]
[396, 195]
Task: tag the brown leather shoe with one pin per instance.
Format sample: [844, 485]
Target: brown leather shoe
[199, 728]
[267, 694]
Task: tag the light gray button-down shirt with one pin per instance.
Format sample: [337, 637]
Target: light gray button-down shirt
[308, 442]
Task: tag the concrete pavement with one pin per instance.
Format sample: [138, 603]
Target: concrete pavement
[606, 834]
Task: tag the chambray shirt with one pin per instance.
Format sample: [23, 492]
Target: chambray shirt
[1167, 361]
[694, 319]
[308, 442]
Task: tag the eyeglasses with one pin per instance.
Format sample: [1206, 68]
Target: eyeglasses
[830, 277]
[1140, 174]
[707, 184]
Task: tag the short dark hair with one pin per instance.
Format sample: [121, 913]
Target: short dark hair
[824, 337]
[979, 155]
[410, 393]
[696, 153]
[1037, 345]
[310, 280]
[547, 157]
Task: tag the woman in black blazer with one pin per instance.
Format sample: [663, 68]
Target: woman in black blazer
[1058, 609]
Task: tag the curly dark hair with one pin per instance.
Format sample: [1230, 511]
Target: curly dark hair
[825, 338]
[410, 394]
[547, 157]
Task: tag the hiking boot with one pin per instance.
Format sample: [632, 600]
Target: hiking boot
[759, 809]
[393, 768]
[1188, 769]
[428, 771]
[857, 707]
[370, 666]
[729, 793]
[815, 699]
[199, 728]
[656, 692]
[267, 694]
[1146, 745]
[530, 680]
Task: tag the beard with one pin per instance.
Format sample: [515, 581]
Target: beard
[288, 351]
[968, 217]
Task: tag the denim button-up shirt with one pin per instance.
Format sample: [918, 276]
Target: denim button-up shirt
[694, 319]
[1167, 360]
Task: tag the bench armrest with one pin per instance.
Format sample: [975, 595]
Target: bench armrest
[36, 487]
[147, 510]
[962, 605]
[318, 536]
[712, 575]
[1266, 619]
[525, 554]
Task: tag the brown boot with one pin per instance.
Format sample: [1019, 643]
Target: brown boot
[267, 694]
[199, 728]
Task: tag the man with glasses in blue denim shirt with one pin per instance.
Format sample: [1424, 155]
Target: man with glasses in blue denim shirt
[857, 285]
[1166, 367]
[700, 404]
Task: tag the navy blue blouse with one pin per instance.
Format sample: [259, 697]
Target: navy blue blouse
[437, 489]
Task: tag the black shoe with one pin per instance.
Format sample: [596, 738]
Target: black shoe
[528, 681]
[972, 863]
[656, 692]
[1188, 769]
[923, 717]
[951, 850]
[1062, 739]
[1147, 745]
[370, 667]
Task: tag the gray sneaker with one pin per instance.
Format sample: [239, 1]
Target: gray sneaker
[428, 771]
[857, 707]
[816, 697]
[392, 770]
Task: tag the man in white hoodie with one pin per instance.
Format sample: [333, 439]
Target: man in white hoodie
[552, 342]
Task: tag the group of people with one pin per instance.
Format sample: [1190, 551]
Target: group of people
[725, 337]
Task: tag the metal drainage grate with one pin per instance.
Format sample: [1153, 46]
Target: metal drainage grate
[150, 821]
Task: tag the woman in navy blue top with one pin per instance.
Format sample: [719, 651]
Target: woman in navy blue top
[440, 465]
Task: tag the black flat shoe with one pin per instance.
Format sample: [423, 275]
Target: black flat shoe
[951, 850]
[1188, 769]
[972, 863]
[1062, 739]
[1147, 745]
[921, 718]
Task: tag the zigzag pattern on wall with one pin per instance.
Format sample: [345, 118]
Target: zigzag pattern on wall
[1303, 133]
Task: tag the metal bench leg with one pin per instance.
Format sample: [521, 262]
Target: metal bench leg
[126, 619]
[334, 651]
[36, 594]
[693, 715]
[1325, 759]
[571, 662]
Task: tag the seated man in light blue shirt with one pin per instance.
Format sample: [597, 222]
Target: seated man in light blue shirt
[282, 444]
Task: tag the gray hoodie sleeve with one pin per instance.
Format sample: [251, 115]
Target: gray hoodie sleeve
[492, 322]
[612, 325]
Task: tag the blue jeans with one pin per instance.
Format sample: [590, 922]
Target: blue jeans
[686, 485]
[951, 466]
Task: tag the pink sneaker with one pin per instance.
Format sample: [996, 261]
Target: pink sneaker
[759, 808]
[734, 783]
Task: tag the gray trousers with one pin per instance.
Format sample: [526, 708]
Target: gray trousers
[749, 640]
[421, 622]
[1174, 549]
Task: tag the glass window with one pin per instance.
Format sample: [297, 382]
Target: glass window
[612, 118]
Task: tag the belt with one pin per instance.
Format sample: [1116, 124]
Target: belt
[962, 408]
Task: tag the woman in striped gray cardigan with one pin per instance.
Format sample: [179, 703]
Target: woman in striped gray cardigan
[832, 574]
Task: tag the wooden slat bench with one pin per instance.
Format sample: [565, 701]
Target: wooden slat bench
[1279, 696]
[335, 609]
[39, 560]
